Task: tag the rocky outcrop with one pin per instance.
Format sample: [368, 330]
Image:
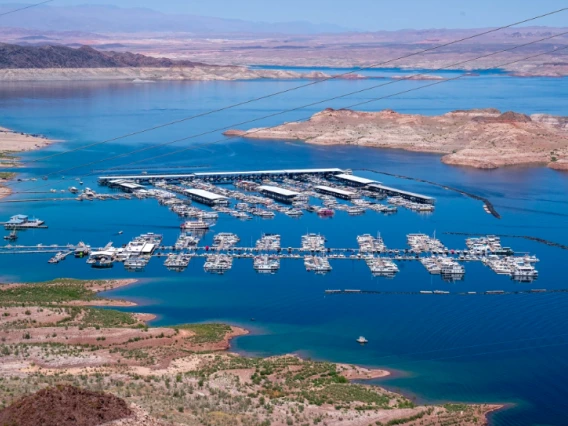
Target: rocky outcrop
[65, 406]
[17, 57]
[480, 138]
[506, 117]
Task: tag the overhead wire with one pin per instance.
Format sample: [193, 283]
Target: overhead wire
[319, 81]
[199, 146]
[25, 7]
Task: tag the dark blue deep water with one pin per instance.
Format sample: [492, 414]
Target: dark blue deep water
[502, 349]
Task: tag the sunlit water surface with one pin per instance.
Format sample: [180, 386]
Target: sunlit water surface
[503, 349]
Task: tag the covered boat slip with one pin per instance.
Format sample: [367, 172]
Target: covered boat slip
[206, 197]
[131, 183]
[354, 180]
[279, 194]
[127, 185]
[336, 192]
[412, 196]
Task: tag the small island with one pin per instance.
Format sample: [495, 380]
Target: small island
[480, 138]
[55, 342]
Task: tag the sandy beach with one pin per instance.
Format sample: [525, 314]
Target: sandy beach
[12, 142]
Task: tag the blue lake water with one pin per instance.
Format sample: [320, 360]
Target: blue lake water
[508, 349]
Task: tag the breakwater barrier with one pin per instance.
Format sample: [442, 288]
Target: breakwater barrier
[446, 293]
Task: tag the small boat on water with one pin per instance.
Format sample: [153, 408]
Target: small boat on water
[362, 340]
[195, 225]
[21, 221]
[57, 258]
[12, 236]
[325, 212]
[82, 249]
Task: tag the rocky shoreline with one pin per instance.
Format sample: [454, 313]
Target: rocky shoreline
[478, 138]
[153, 74]
[175, 374]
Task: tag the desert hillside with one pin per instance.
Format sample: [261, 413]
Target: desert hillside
[482, 138]
[17, 57]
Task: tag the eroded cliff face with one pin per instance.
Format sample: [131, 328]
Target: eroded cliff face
[481, 138]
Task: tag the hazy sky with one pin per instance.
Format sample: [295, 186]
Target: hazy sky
[359, 14]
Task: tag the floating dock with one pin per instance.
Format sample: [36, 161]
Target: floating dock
[256, 175]
[277, 193]
[412, 196]
[206, 197]
[352, 180]
[138, 252]
[133, 182]
[336, 192]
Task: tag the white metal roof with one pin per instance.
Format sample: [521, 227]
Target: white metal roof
[336, 190]
[268, 172]
[148, 248]
[205, 194]
[357, 179]
[277, 190]
[130, 185]
[400, 191]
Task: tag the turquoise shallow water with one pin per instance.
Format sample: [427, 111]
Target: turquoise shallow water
[496, 349]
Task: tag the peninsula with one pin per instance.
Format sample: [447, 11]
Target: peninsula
[11, 143]
[53, 340]
[480, 138]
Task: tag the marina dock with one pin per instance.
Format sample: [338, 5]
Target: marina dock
[267, 253]
[222, 177]
[133, 182]
[264, 194]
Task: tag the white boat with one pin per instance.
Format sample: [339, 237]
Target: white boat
[82, 249]
[355, 210]
[266, 263]
[294, 213]
[525, 270]
[136, 262]
[319, 265]
[209, 215]
[242, 215]
[452, 268]
[177, 262]
[362, 340]
[218, 263]
[195, 225]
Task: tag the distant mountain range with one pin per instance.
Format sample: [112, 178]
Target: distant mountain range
[106, 18]
[13, 56]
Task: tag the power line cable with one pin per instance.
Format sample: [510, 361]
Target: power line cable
[297, 87]
[347, 107]
[146, 148]
[199, 146]
[25, 7]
